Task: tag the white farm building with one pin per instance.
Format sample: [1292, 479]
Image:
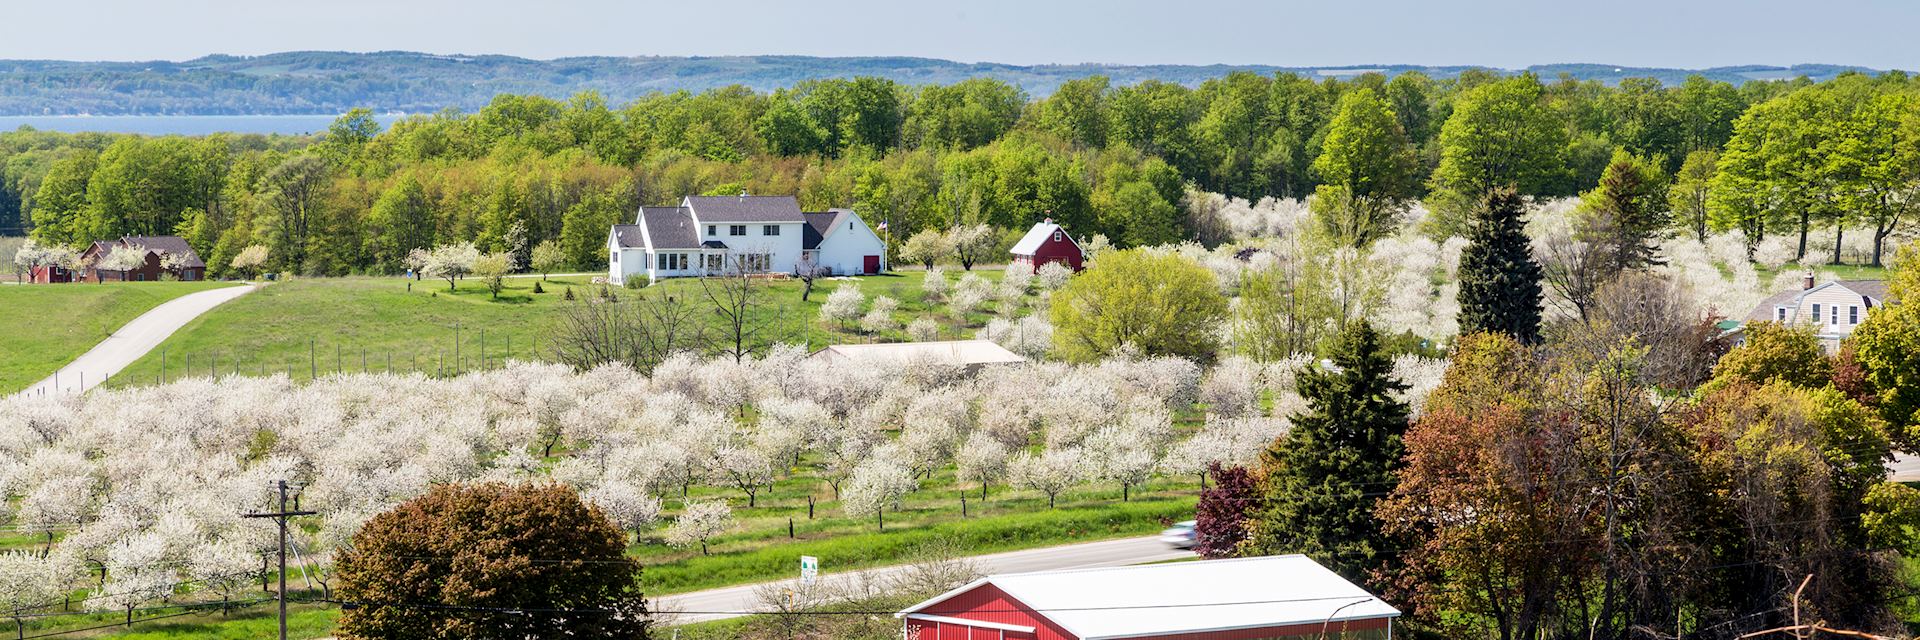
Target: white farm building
[765, 234]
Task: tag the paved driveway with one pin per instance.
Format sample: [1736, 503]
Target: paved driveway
[133, 340]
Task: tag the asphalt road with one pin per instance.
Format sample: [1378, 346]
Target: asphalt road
[730, 602]
[1904, 468]
[133, 340]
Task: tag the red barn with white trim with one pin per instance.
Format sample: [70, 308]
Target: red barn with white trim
[1047, 242]
[1234, 599]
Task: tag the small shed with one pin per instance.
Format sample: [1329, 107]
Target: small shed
[973, 354]
[1047, 242]
[1288, 596]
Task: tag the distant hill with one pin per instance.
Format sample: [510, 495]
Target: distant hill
[309, 82]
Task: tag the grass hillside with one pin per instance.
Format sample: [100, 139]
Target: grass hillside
[319, 325]
[50, 325]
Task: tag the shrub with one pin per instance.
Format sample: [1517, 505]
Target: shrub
[490, 546]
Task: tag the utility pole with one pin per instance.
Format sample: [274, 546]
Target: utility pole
[280, 518]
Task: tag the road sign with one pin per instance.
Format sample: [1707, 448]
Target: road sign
[809, 567]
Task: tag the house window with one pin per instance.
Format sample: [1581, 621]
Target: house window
[1816, 312]
[1853, 314]
[770, 230]
[713, 229]
[1780, 314]
[715, 262]
[616, 256]
[849, 225]
[737, 230]
[1056, 236]
[1836, 315]
[673, 261]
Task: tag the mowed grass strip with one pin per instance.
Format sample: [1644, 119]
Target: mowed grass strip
[872, 548]
[316, 326]
[48, 325]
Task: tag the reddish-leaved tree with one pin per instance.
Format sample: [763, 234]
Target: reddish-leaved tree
[1221, 516]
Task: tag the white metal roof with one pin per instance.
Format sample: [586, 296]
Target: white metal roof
[967, 352]
[1186, 597]
[1038, 236]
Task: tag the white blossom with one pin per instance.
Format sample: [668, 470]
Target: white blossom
[700, 522]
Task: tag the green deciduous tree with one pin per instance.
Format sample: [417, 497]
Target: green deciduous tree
[1160, 303]
[1500, 134]
[1887, 346]
[1366, 166]
[490, 561]
[1499, 280]
[400, 221]
[1688, 197]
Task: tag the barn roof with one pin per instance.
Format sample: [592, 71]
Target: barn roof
[1037, 236]
[1185, 597]
[966, 352]
[165, 245]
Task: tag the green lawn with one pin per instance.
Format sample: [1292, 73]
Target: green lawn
[320, 325]
[51, 324]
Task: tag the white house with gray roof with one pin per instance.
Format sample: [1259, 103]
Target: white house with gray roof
[1833, 308]
[766, 234]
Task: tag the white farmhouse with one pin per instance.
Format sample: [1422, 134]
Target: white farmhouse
[766, 234]
[1834, 309]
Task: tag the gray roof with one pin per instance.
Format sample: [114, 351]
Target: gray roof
[629, 236]
[820, 226]
[670, 227]
[1875, 290]
[167, 244]
[713, 209]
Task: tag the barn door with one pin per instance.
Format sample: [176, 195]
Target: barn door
[872, 265]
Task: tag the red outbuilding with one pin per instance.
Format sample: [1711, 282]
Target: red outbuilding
[1047, 242]
[157, 248]
[1235, 599]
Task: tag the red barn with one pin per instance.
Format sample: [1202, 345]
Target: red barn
[1047, 242]
[1235, 599]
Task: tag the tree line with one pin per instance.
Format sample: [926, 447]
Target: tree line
[1102, 159]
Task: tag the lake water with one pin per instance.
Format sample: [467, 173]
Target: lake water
[185, 125]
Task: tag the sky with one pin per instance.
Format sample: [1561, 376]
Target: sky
[1497, 33]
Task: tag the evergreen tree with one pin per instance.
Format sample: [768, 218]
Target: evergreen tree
[1325, 476]
[1626, 212]
[1499, 280]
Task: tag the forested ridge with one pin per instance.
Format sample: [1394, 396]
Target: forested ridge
[1104, 158]
[331, 82]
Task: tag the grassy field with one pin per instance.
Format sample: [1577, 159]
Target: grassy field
[314, 326]
[50, 325]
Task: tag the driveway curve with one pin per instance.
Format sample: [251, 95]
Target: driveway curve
[133, 340]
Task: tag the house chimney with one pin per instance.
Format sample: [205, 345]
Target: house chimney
[1047, 221]
[1806, 282]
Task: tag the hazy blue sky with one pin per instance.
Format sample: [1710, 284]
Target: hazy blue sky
[1503, 33]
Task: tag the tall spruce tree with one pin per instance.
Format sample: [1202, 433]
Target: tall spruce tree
[1325, 476]
[1499, 279]
[1626, 213]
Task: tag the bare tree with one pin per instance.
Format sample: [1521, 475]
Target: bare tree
[789, 607]
[739, 306]
[807, 269]
[639, 331]
[1574, 267]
